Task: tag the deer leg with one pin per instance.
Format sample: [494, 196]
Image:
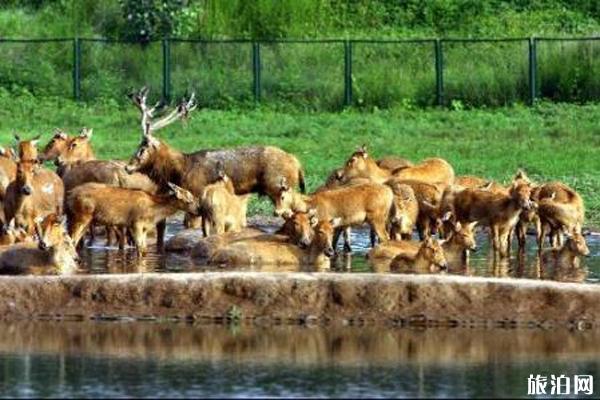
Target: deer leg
[521, 229]
[205, 227]
[161, 227]
[78, 228]
[347, 240]
[139, 239]
[379, 231]
[92, 234]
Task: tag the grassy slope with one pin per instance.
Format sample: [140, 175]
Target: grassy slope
[549, 141]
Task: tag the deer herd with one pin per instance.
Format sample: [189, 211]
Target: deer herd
[46, 214]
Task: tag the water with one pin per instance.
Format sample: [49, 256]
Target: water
[144, 359]
[100, 259]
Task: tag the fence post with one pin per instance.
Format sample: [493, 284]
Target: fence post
[76, 69]
[256, 69]
[439, 72]
[166, 49]
[347, 73]
[532, 69]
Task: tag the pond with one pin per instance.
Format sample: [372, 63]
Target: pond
[100, 259]
[152, 359]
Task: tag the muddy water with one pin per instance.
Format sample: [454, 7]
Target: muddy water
[100, 259]
[143, 359]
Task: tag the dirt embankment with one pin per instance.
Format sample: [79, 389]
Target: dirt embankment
[300, 297]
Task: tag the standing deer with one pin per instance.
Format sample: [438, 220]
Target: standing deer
[255, 169]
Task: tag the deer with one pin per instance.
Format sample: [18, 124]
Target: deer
[497, 210]
[53, 251]
[35, 192]
[567, 256]
[460, 240]
[429, 258]
[432, 170]
[136, 210]
[475, 182]
[222, 210]
[8, 173]
[255, 169]
[277, 249]
[370, 203]
[77, 164]
[70, 148]
[406, 211]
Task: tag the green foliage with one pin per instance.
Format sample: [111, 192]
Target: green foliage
[150, 19]
[304, 76]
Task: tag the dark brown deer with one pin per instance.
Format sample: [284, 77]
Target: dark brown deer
[256, 169]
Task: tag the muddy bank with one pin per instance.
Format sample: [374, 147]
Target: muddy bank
[423, 300]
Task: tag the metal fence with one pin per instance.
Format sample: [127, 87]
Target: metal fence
[318, 73]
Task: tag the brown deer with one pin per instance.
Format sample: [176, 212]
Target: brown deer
[429, 198]
[475, 182]
[497, 210]
[8, 173]
[567, 256]
[27, 149]
[222, 210]
[429, 258]
[460, 240]
[70, 148]
[403, 222]
[35, 192]
[135, 210]
[355, 205]
[256, 169]
[53, 253]
[277, 250]
[560, 209]
[432, 170]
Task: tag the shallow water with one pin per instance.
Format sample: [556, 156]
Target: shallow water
[100, 259]
[143, 359]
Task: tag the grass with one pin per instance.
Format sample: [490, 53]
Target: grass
[550, 141]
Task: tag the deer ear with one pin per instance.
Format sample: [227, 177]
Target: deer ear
[17, 137]
[312, 212]
[86, 133]
[472, 225]
[457, 227]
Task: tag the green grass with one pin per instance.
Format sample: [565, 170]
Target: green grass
[550, 141]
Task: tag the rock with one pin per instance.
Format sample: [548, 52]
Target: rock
[184, 240]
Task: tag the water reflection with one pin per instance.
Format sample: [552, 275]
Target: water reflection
[151, 359]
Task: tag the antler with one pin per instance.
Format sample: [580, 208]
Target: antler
[148, 126]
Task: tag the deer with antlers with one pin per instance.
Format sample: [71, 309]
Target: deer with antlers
[255, 169]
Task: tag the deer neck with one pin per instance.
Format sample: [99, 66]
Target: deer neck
[301, 202]
[168, 166]
[163, 207]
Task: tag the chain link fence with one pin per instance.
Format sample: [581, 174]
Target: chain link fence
[314, 74]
